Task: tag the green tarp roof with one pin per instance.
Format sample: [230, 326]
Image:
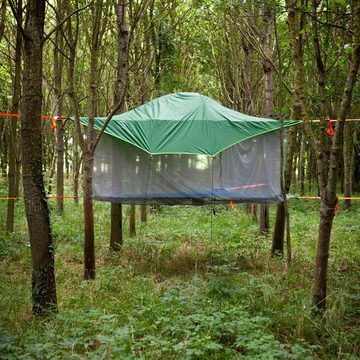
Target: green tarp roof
[185, 123]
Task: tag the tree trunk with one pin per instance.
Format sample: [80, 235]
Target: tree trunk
[72, 37]
[132, 223]
[58, 67]
[302, 166]
[119, 98]
[248, 101]
[347, 154]
[264, 219]
[298, 111]
[89, 245]
[13, 153]
[328, 193]
[322, 255]
[143, 214]
[266, 40]
[89, 146]
[116, 238]
[37, 212]
[76, 170]
[277, 247]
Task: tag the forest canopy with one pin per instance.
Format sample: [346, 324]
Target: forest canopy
[64, 61]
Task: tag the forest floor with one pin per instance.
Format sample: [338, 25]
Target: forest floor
[190, 285]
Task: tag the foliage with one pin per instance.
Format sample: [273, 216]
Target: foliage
[190, 285]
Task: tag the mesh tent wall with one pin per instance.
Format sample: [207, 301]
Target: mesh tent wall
[186, 148]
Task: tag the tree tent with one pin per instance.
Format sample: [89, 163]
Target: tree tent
[186, 148]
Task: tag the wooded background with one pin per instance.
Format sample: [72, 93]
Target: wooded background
[297, 59]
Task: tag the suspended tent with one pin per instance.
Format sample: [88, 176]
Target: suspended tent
[186, 148]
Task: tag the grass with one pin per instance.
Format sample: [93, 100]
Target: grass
[191, 285]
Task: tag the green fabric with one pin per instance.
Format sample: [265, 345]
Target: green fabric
[185, 123]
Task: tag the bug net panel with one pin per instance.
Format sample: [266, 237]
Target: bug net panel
[246, 172]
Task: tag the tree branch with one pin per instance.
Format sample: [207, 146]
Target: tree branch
[18, 22]
[62, 22]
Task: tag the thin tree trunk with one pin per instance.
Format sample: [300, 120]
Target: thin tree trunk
[89, 245]
[302, 166]
[58, 66]
[76, 170]
[295, 25]
[116, 238]
[72, 37]
[51, 171]
[13, 154]
[132, 222]
[279, 226]
[143, 213]
[328, 193]
[347, 154]
[37, 212]
[89, 146]
[277, 247]
[247, 105]
[119, 98]
[268, 20]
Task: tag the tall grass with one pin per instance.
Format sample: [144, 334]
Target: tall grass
[190, 285]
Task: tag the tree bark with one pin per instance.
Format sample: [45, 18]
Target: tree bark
[248, 101]
[116, 238]
[143, 213]
[266, 40]
[347, 155]
[72, 37]
[132, 222]
[302, 166]
[328, 193]
[89, 245]
[13, 153]
[58, 67]
[119, 98]
[295, 25]
[37, 212]
[89, 146]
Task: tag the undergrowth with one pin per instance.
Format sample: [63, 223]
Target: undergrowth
[190, 285]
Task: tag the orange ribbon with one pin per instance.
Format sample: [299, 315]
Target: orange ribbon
[330, 130]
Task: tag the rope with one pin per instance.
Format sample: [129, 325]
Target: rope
[319, 198]
[332, 120]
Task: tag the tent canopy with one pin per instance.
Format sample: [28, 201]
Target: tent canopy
[186, 123]
[186, 148]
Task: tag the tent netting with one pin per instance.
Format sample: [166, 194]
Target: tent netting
[186, 148]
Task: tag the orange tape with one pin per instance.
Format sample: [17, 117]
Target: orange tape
[53, 124]
[10, 115]
[42, 116]
[330, 130]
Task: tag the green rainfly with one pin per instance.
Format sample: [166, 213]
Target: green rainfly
[186, 123]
